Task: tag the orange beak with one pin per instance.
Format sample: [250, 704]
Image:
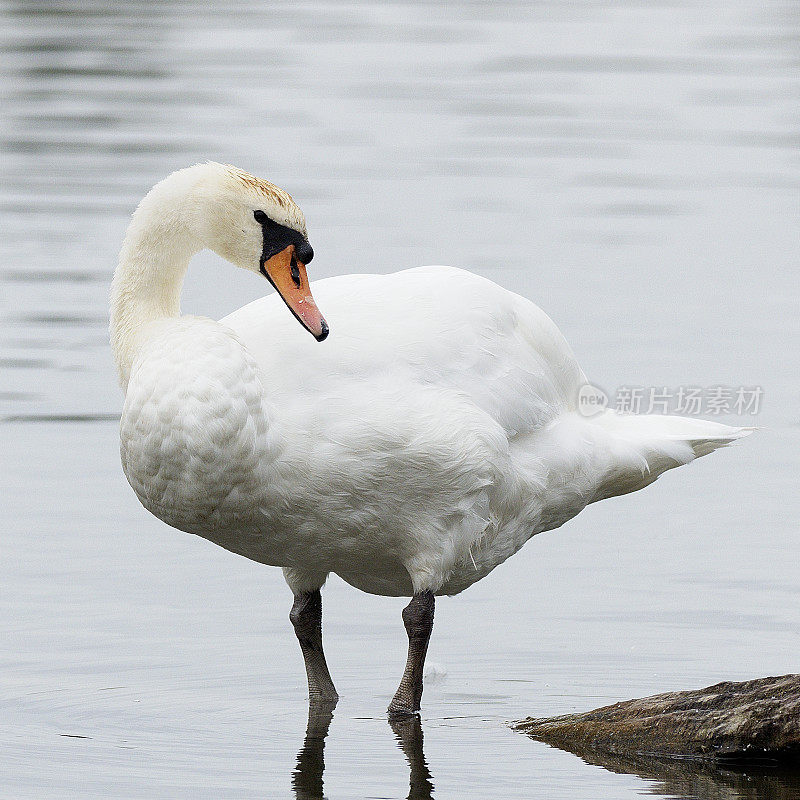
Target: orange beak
[288, 276]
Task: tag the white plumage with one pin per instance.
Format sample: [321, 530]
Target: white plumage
[424, 442]
[418, 447]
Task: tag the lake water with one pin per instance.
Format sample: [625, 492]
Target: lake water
[633, 167]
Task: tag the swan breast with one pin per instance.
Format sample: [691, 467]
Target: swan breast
[194, 435]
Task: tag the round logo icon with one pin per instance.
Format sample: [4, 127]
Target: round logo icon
[592, 400]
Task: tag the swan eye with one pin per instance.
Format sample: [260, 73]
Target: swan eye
[260, 216]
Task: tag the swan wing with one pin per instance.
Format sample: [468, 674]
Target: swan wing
[430, 327]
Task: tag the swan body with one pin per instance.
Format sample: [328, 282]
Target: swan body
[421, 445]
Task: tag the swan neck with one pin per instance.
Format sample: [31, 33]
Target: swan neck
[148, 279]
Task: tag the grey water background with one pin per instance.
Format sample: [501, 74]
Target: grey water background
[633, 167]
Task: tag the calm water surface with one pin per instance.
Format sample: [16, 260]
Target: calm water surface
[633, 167]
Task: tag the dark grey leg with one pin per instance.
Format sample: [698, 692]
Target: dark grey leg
[306, 616]
[418, 619]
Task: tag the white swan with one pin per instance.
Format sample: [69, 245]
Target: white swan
[420, 446]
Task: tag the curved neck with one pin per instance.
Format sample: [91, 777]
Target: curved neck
[148, 280]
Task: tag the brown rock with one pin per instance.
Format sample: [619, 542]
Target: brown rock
[750, 722]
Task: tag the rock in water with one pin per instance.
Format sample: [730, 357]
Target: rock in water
[752, 721]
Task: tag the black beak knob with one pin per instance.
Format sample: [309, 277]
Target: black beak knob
[304, 252]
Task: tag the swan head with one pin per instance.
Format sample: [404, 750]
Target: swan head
[257, 226]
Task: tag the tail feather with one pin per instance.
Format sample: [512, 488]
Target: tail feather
[641, 447]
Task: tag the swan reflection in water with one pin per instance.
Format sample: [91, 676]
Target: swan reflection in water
[667, 777]
[307, 779]
[408, 731]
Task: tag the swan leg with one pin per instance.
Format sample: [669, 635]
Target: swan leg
[306, 616]
[418, 619]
